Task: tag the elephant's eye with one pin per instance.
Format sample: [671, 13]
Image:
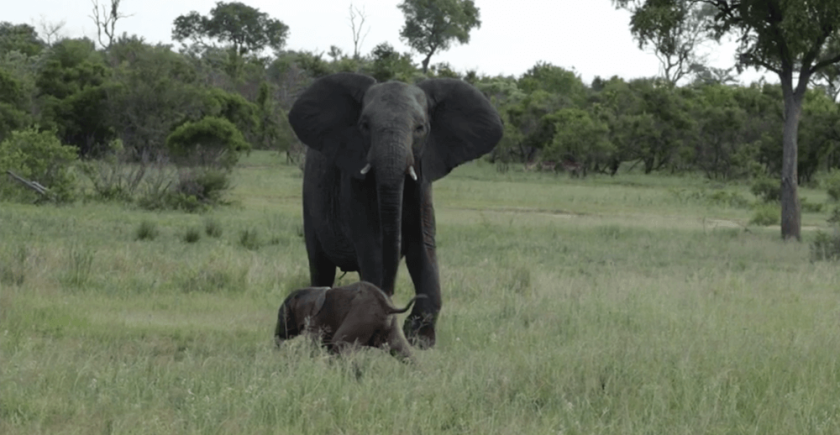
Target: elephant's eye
[364, 126]
[420, 128]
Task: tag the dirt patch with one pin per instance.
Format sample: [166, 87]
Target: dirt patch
[517, 210]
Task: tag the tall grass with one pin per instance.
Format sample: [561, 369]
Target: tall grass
[628, 313]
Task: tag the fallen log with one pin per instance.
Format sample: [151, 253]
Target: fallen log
[34, 185]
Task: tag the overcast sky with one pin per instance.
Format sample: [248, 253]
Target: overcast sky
[588, 36]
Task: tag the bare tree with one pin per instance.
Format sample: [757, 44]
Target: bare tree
[358, 38]
[51, 32]
[105, 19]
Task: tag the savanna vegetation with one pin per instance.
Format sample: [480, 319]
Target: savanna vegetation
[630, 304]
[648, 293]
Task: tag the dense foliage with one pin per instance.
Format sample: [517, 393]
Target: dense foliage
[221, 91]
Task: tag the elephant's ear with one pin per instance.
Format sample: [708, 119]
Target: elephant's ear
[464, 126]
[324, 118]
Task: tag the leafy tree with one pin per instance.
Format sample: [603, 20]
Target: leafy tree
[19, 37]
[13, 115]
[762, 104]
[244, 28]
[554, 80]
[648, 121]
[432, 25]
[234, 108]
[153, 91]
[621, 109]
[794, 39]
[674, 29]
[819, 133]
[828, 78]
[444, 70]
[527, 117]
[579, 137]
[388, 64]
[73, 85]
[288, 77]
[719, 146]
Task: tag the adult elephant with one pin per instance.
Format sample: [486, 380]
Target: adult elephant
[374, 150]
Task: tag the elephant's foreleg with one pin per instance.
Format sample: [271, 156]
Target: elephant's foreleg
[321, 269]
[421, 259]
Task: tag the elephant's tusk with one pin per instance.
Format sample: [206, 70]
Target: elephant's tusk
[366, 169]
[412, 173]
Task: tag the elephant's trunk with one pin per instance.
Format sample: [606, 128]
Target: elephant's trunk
[391, 164]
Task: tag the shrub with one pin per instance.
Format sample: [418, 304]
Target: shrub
[719, 197]
[810, 207]
[146, 231]
[766, 215]
[249, 239]
[826, 246]
[192, 235]
[767, 190]
[211, 141]
[834, 216]
[37, 156]
[197, 189]
[206, 184]
[117, 175]
[212, 228]
[726, 198]
[832, 186]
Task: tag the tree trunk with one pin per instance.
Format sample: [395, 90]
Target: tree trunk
[426, 63]
[791, 213]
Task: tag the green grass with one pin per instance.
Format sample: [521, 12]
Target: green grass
[603, 305]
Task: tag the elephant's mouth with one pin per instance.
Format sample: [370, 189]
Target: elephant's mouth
[409, 171]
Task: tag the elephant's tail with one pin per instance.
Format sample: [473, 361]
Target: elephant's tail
[395, 310]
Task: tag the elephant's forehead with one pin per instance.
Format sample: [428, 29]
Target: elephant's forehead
[395, 97]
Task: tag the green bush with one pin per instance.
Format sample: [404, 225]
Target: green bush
[249, 239]
[206, 184]
[192, 235]
[834, 216]
[146, 231]
[196, 190]
[766, 215]
[37, 156]
[113, 177]
[212, 141]
[826, 247]
[767, 190]
[810, 207]
[726, 198]
[212, 228]
[832, 186]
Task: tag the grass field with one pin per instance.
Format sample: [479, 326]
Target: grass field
[627, 305]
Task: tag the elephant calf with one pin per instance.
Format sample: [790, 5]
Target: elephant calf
[358, 313]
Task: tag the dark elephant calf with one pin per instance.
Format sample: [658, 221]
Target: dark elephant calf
[358, 313]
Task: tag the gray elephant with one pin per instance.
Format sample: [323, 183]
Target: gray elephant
[374, 150]
[359, 313]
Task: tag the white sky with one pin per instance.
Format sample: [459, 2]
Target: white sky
[588, 36]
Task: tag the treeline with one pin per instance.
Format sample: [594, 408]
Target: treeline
[722, 130]
[149, 100]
